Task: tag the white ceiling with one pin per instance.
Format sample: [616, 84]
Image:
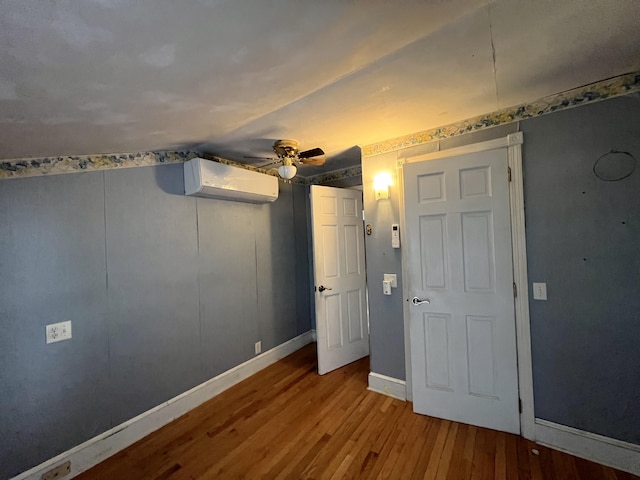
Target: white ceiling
[230, 76]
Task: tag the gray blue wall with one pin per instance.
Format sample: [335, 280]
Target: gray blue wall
[164, 292]
[586, 360]
[386, 332]
[583, 240]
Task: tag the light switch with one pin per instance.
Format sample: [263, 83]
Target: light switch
[539, 291]
[393, 278]
[386, 287]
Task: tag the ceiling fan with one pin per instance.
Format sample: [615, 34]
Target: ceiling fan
[289, 156]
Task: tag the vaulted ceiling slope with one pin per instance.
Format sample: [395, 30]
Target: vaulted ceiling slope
[230, 76]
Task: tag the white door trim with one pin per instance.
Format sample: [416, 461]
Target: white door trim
[520, 279]
[504, 142]
[405, 295]
[512, 143]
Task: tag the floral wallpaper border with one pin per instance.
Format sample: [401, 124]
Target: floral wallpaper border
[30, 167]
[321, 178]
[613, 87]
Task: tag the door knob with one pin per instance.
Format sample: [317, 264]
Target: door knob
[418, 301]
[322, 288]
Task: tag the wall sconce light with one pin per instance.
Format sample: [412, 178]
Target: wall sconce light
[381, 184]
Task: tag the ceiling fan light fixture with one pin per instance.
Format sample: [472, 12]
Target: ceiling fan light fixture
[287, 171]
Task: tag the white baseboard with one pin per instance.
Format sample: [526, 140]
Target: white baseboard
[387, 386]
[314, 335]
[590, 446]
[101, 447]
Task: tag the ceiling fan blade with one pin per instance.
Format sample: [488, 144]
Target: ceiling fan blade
[261, 158]
[316, 162]
[314, 152]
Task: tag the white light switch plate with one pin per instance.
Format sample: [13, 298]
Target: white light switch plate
[393, 278]
[539, 291]
[56, 332]
[386, 288]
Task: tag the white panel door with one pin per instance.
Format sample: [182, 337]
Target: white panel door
[340, 281]
[463, 341]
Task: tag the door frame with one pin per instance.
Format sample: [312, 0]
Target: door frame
[512, 143]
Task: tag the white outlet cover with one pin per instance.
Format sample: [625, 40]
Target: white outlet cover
[539, 291]
[56, 332]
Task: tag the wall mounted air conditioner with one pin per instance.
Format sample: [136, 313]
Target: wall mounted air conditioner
[206, 178]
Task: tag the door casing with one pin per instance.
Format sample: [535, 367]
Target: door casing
[512, 143]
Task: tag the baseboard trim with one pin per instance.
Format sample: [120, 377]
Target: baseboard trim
[314, 335]
[390, 386]
[101, 447]
[590, 446]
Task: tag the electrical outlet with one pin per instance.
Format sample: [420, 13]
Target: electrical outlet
[56, 332]
[258, 347]
[539, 291]
[58, 472]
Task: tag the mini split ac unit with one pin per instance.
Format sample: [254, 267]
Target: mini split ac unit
[206, 178]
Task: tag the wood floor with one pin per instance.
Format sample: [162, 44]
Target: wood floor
[287, 422]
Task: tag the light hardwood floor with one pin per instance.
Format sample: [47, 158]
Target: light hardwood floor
[287, 422]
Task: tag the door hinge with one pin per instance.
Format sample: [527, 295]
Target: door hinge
[515, 290]
[509, 173]
[520, 405]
